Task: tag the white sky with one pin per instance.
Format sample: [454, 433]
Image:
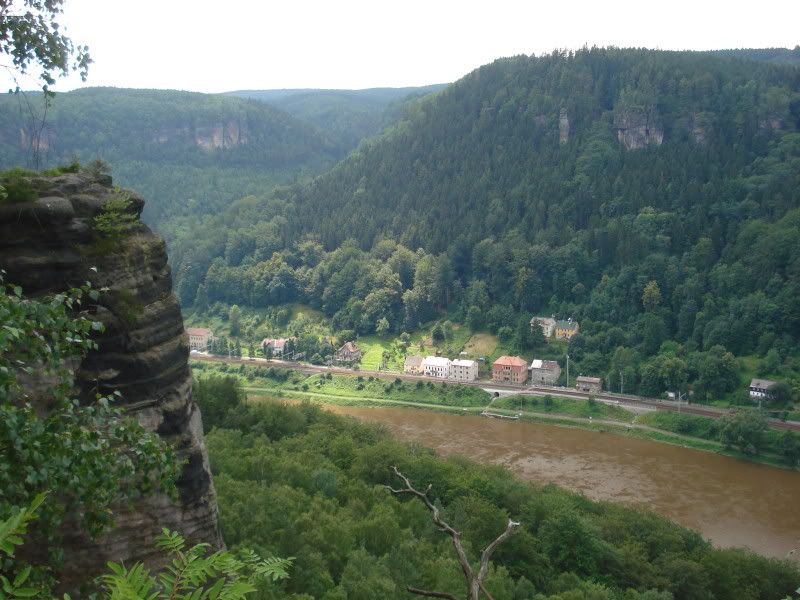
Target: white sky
[239, 44]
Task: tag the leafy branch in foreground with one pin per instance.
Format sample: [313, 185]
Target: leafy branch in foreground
[474, 580]
[87, 456]
[12, 532]
[194, 574]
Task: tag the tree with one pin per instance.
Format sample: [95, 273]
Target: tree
[437, 334]
[651, 297]
[234, 318]
[780, 394]
[789, 447]
[745, 430]
[473, 580]
[382, 326]
[31, 36]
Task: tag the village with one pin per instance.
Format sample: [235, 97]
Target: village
[506, 369]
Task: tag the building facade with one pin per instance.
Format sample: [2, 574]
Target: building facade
[510, 369]
[544, 372]
[547, 325]
[199, 337]
[593, 385]
[464, 370]
[564, 330]
[413, 365]
[759, 388]
[436, 366]
[274, 345]
[349, 352]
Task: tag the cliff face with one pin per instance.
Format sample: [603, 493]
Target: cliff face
[48, 245]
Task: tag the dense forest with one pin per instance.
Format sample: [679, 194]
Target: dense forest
[297, 481]
[653, 196]
[191, 153]
[346, 116]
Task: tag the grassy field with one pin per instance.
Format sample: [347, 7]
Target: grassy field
[564, 406]
[424, 392]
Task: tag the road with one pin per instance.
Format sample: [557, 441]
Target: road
[630, 402]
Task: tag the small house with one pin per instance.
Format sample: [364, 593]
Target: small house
[349, 353]
[199, 337]
[510, 369]
[760, 388]
[436, 366]
[564, 330]
[413, 365]
[544, 372]
[274, 346]
[593, 385]
[464, 370]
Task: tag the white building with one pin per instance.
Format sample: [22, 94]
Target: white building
[464, 370]
[199, 338]
[760, 388]
[436, 366]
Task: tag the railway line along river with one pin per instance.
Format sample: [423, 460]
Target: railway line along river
[731, 502]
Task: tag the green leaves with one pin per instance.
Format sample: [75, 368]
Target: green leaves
[194, 574]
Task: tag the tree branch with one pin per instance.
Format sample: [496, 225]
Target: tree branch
[487, 554]
[474, 582]
[431, 594]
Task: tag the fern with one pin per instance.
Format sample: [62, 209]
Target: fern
[194, 574]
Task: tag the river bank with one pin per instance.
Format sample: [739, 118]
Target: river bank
[600, 423]
[731, 502]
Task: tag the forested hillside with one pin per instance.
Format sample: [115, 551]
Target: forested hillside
[651, 195]
[346, 116]
[295, 480]
[188, 153]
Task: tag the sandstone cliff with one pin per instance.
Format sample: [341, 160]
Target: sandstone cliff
[48, 245]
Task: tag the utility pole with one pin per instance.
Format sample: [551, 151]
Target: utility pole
[567, 370]
[621, 381]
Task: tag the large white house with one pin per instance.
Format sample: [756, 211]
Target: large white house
[464, 370]
[436, 366]
[199, 338]
[760, 388]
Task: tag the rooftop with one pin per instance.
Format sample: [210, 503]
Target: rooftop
[510, 361]
[764, 384]
[437, 361]
[583, 379]
[538, 363]
[198, 331]
[460, 362]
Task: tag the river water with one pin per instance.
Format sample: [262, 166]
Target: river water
[731, 502]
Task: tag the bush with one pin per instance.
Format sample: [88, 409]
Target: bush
[18, 187]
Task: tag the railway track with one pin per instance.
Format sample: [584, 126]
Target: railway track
[621, 399]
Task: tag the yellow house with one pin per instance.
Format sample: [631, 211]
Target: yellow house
[564, 330]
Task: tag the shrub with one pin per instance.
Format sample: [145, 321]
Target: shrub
[18, 186]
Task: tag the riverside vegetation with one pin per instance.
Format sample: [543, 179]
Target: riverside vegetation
[297, 481]
[744, 434]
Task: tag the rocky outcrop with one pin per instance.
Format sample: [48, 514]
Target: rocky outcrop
[638, 127]
[48, 245]
[700, 127]
[563, 126]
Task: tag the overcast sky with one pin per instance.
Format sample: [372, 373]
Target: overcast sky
[238, 44]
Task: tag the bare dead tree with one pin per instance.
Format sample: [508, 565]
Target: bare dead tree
[474, 580]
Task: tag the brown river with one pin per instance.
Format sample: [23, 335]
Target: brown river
[731, 502]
